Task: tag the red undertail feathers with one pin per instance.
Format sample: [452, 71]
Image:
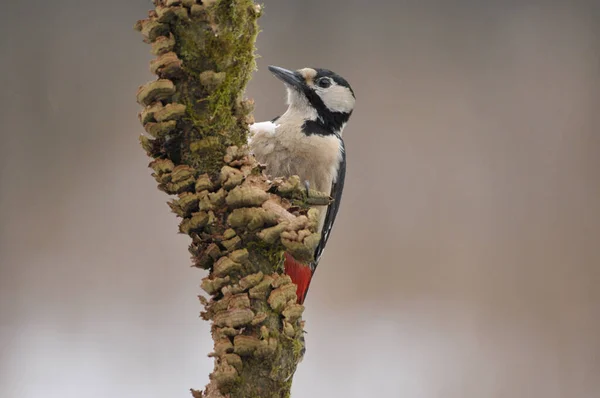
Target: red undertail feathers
[300, 274]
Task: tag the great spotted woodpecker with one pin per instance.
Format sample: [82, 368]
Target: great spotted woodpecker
[307, 141]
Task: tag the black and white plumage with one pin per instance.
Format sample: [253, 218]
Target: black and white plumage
[307, 141]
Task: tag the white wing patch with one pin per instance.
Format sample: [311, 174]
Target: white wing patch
[336, 98]
[267, 128]
[262, 130]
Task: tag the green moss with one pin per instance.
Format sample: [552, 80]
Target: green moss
[221, 40]
[204, 146]
[273, 253]
[298, 348]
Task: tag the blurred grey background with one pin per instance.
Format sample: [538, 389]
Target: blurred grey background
[465, 262]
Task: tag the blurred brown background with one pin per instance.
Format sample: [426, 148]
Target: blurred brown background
[465, 262]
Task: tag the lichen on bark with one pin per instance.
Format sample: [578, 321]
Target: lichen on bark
[240, 222]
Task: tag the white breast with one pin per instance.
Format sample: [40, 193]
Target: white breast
[287, 151]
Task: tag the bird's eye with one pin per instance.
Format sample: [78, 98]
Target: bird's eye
[324, 82]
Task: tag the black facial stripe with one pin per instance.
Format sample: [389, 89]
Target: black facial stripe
[313, 127]
[328, 120]
[333, 120]
[329, 123]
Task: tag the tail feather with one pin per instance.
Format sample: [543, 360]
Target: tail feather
[301, 275]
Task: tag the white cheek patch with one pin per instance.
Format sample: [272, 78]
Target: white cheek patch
[337, 98]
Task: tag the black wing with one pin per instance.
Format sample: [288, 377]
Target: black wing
[336, 193]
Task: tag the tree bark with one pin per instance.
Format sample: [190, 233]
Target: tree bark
[240, 223]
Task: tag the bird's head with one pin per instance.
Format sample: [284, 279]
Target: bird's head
[319, 95]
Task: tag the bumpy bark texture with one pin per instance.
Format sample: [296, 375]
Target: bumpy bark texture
[240, 222]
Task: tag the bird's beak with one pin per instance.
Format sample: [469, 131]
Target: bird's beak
[287, 76]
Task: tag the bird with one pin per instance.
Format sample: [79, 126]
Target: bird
[306, 140]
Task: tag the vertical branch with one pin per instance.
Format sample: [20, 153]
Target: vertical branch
[239, 222]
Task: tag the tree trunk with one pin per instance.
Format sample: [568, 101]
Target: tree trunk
[239, 222]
